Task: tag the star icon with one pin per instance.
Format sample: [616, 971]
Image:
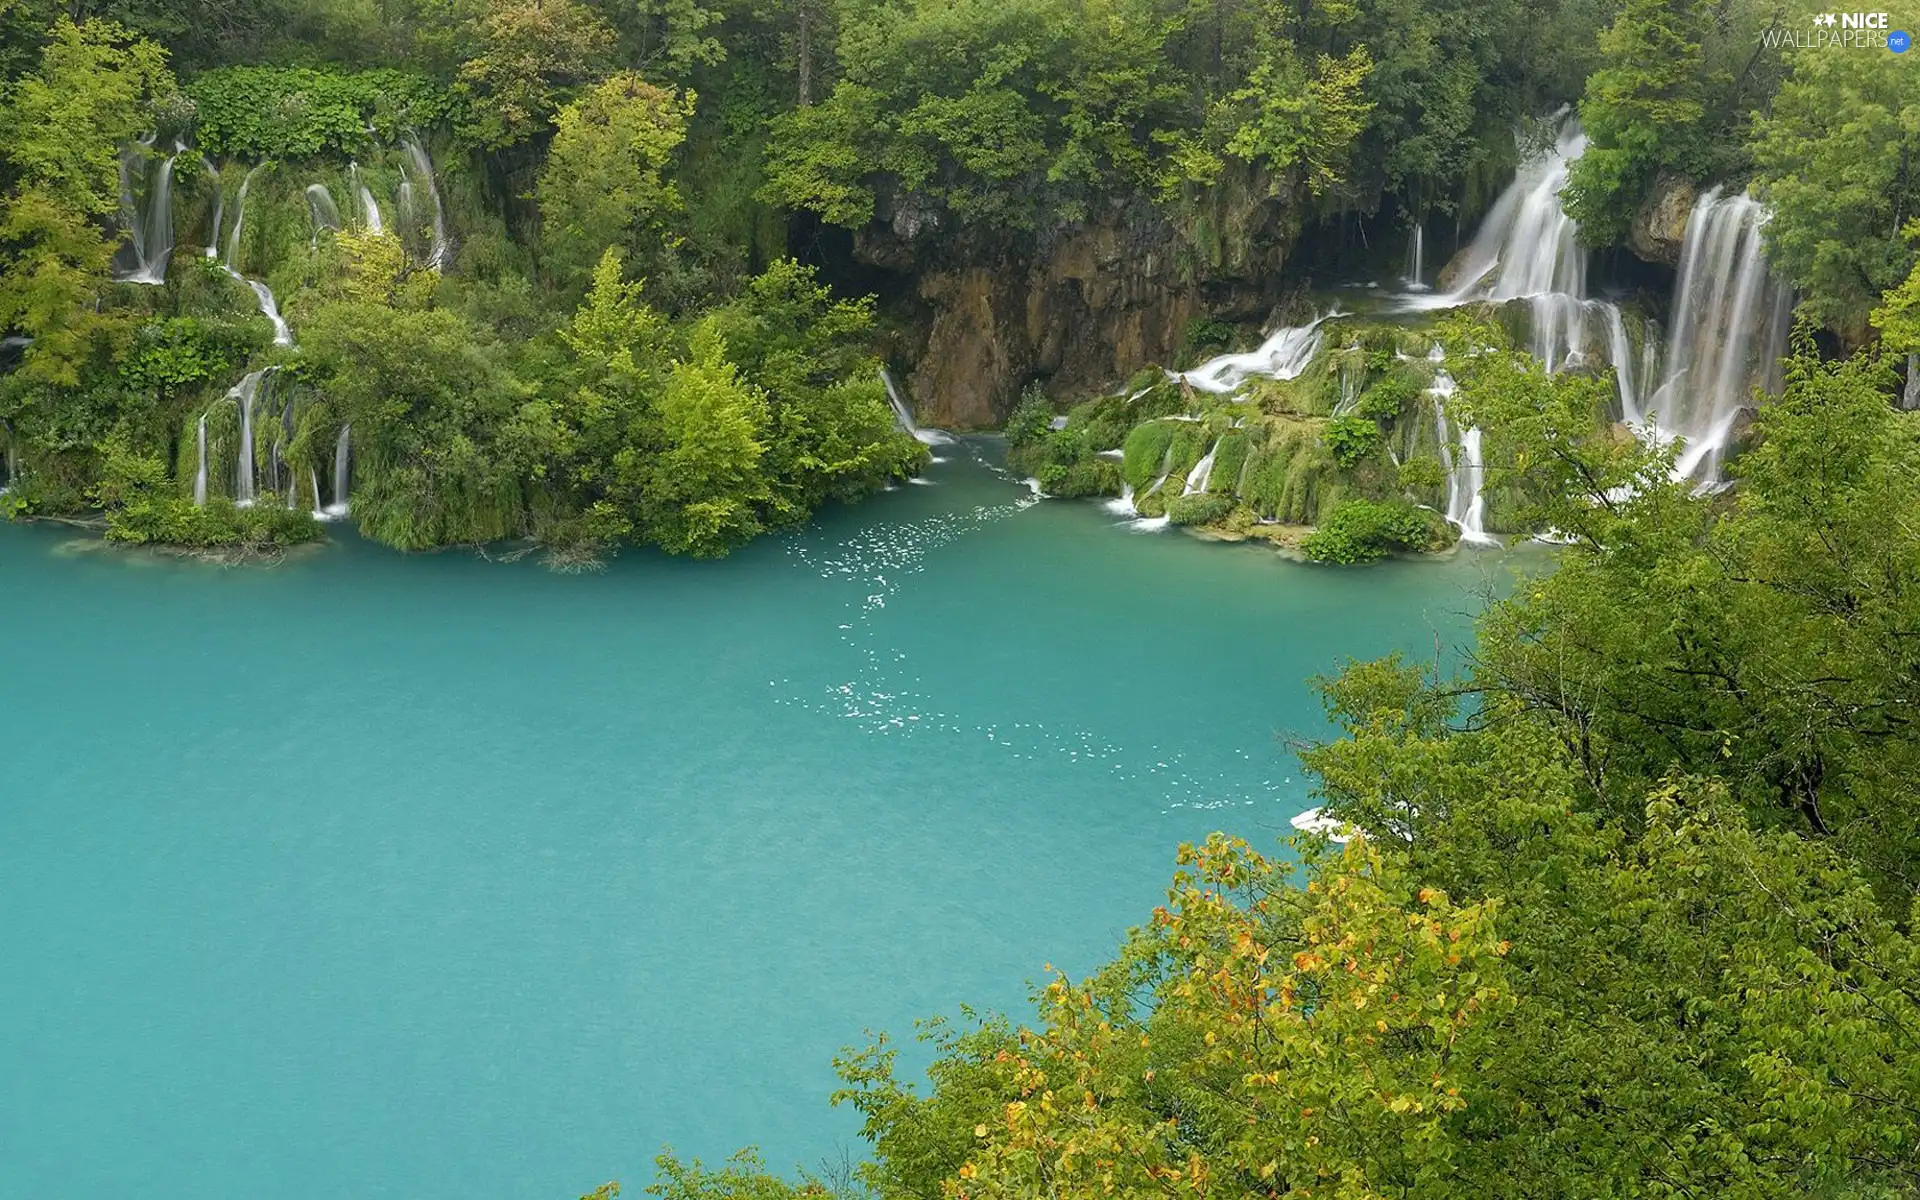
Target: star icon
[1826, 19]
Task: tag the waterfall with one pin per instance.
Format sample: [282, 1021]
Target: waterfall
[262, 294]
[231, 261]
[1466, 471]
[369, 209]
[1527, 250]
[313, 481]
[903, 415]
[152, 234]
[403, 201]
[243, 395]
[269, 308]
[200, 475]
[340, 464]
[1284, 354]
[1729, 330]
[1526, 247]
[1621, 352]
[1417, 259]
[219, 205]
[417, 154]
[320, 206]
[1123, 505]
[1202, 472]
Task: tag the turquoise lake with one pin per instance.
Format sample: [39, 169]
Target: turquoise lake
[383, 876]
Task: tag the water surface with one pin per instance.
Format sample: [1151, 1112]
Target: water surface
[383, 876]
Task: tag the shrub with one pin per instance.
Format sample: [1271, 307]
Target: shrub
[1032, 420]
[1388, 397]
[1200, 509]
[300, 112]
[221, 524]
[1089, 477]
[1352, 438]
[1363, 530]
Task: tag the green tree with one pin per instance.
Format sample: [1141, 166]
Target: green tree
[1640, 109]
[832, 434]
[604, 181]
[427, 398]
[704, 491]
[61, 133]
[533, 54]
[1836, 162]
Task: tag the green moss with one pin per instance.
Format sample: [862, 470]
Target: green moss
[1229, 460]
[1145, 452]
[1292, 476]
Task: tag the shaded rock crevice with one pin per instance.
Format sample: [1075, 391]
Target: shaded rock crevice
[1079, 307]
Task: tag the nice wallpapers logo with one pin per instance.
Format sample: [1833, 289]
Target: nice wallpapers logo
[1842, 31]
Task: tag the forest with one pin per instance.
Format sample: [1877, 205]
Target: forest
[1629, 904]
[627, 272]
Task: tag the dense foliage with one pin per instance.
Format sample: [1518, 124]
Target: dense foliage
[1631, 905]
[1629, 908]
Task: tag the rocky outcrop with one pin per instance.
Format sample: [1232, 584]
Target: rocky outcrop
[1078, 308]
[1659, 228]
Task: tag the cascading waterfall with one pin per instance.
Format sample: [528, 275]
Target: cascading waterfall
[369, 207]
[1417, 260]
[1466, 470]
[341, 449]
[219, 205]
[244, 394]
[417, 154]
[320, 206]
[1202, 473]
[200, 475]
[1525, 247]
[903, 415]
[231, 261]
[1284, 354]
[262, 294]
[269, 308]
[151, 233]
[1730, 325]
[1527, 250]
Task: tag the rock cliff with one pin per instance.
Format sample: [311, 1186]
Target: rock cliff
[1081, 306]
[1660, 225]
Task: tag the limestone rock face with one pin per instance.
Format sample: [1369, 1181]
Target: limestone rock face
[1079, 307]
[1660, 226]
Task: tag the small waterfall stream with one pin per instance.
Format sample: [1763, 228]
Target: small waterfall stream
[1416, 272]
[219, 205]
[1202, 473]
[341, 450]
[1730, 322]
[262, 294]
[244, 394]
[200, 475]
[148, 219]
[903, 415]
[1465, 468]
[320, 206]
[423, 166]
[1284, 354]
